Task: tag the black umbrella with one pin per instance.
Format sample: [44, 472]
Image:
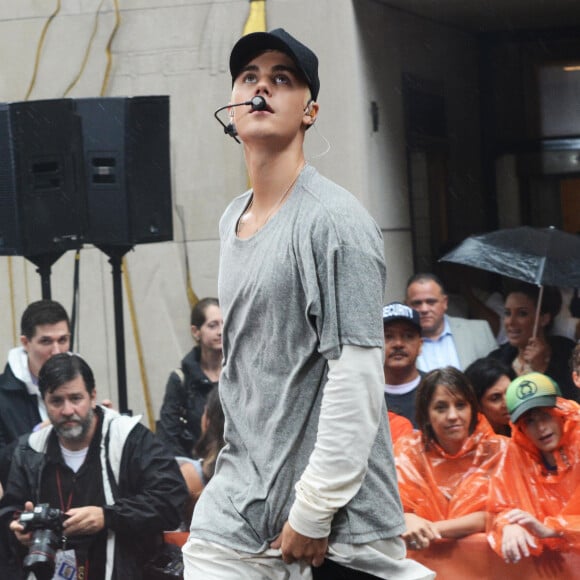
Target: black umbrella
[536, 255]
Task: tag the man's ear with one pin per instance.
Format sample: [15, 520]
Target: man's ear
[24, 342]
[310, 112]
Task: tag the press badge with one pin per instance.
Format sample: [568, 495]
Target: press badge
[65, 565]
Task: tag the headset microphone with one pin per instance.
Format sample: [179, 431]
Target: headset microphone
[258, 103]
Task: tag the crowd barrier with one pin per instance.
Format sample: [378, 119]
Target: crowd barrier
[176, 538]
[471, 558]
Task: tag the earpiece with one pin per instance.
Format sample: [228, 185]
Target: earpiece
[310, 111]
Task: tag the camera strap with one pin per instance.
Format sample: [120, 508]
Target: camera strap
[63, 508]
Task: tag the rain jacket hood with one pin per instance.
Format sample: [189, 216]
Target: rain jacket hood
[438, 486]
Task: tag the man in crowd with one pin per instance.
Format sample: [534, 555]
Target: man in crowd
[45, 331]
[116, 483]
[575, 365]
[307, 474]
[533, 501]
[447, 340]
[402, 332]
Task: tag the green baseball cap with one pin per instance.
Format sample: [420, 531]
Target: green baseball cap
[530, 391]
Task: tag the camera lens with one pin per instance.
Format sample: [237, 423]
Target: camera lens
[41, 554]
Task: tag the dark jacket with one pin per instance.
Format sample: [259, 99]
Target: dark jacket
[147, 492]
[558, 368]
[18, 416]
[179, 425]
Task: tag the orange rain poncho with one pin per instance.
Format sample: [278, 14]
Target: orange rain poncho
[438, 486]
[399, 425]
[524, 483]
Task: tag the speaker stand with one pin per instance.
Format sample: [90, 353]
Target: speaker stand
[116, 254]
[44, 263]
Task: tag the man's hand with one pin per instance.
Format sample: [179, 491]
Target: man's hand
[516, 542]
[18, 529]
[84, 521]
[532, 524]
[295, 546]
[420, 532]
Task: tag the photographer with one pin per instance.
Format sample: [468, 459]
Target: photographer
[115, 484]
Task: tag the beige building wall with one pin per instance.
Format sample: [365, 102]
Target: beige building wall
[181, 48]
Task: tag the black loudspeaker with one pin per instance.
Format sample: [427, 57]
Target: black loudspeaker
[127, 169]
[42, 202]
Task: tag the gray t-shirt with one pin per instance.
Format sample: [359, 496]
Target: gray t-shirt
[308, 282]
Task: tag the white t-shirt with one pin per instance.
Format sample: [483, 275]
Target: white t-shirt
[74, 459]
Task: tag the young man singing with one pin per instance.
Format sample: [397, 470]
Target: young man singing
[306, 483]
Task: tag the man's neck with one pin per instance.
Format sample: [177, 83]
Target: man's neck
[271, 172]
[549, 458]
[400, 376]
[33, 374]
[435, 334]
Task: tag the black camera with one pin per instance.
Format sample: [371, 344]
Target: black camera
[45, 523]
[166, 565]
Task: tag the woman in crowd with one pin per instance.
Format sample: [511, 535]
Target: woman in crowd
[544, 353]
[534, 498]
[444, 468]
[490, 379]
[187, 389]
[198, 472]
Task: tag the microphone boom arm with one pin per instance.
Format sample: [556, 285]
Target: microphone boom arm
[258, 103]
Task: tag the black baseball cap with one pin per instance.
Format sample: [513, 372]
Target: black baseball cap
[253, 44]
[399, 311]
